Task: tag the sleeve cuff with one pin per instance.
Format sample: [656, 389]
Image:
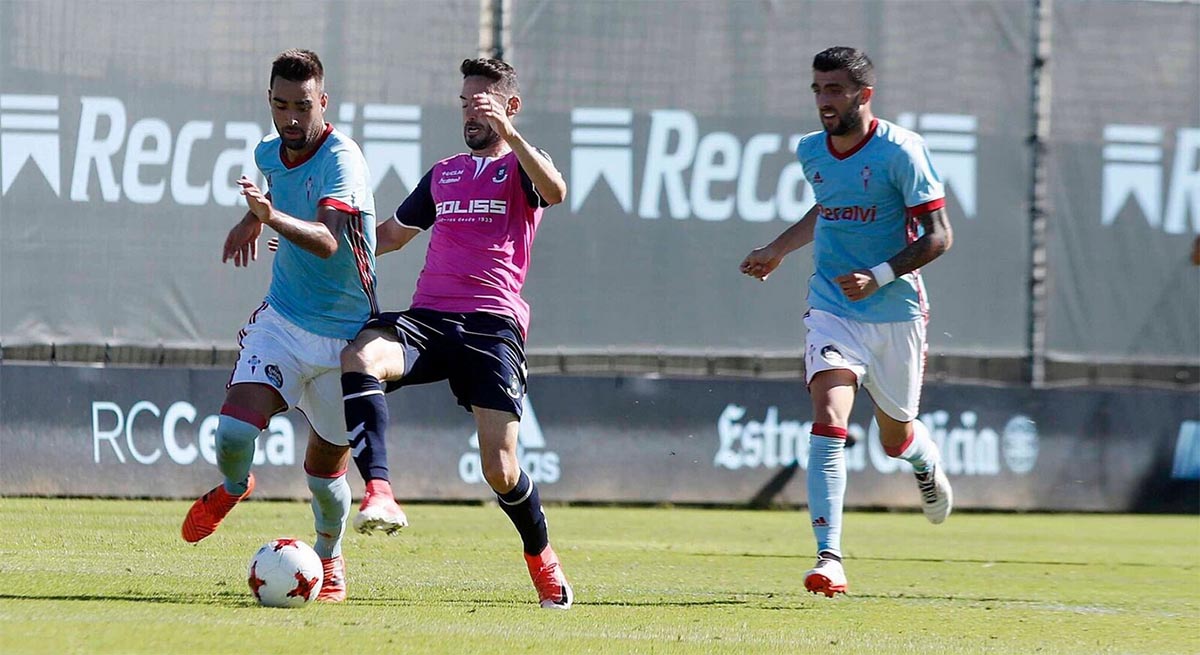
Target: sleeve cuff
[926, 207]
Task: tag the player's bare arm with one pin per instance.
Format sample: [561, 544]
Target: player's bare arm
[547, 180]
[762, 261]
[390, 235]
[937, 239]
[317, 237]
[241, 244]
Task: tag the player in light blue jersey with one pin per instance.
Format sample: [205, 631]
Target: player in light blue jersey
[322, 291]
[879, 216]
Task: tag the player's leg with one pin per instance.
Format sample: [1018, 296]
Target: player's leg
[518, 496]
[911, 442]
[489, 377]
[264, 377]
[894, 383]
[375, 357]
[833, 368]
[325, 464]
[833, 393]
[244, 415]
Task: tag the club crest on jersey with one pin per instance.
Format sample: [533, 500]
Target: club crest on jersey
[309, 186]
[865, 174]
[254, 361]
[274, 375]
[501, 174]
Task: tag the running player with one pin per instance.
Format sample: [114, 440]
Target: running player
[467, 323]
[880, 215]
[322, 291]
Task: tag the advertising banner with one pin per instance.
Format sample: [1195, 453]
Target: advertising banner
[150, 433]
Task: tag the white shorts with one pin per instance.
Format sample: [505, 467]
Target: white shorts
[888, 358]
[306, 369]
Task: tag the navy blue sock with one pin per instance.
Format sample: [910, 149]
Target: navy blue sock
[366, 421]
[524, 509]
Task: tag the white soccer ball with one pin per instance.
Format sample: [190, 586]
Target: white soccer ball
[285, 573]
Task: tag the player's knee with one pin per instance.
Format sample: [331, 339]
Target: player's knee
[501, 471]
[234, 437]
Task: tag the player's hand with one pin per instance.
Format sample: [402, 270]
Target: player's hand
[857, 285]
[760, 262]
[259, 203]
[242, 243]
[495, 112]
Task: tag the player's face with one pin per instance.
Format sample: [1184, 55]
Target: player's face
[477, 131]
[298, 110]
[839, 101]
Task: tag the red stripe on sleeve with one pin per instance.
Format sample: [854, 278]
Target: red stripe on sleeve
[926, 207]
[338, 205]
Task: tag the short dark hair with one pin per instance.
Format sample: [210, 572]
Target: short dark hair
[851, 60]
[298, 65]
[496, 70]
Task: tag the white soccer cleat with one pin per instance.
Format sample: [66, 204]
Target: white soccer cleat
[937, 498]
[379, 511]
[827, 577]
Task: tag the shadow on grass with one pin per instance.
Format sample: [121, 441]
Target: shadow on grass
[483, 602]
[239, 600]
[952, 560]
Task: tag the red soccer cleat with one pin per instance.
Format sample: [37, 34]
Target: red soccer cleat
[333, 586]
[554, 592]
[379, 510]
[205, 515]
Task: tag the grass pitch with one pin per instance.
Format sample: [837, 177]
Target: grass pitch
[112, 576]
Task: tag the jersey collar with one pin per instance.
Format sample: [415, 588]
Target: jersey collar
[293, 164]
[858, 146]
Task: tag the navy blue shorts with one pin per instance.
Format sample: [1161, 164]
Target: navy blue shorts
[481, 354]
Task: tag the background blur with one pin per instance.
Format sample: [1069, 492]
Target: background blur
[1068, 133]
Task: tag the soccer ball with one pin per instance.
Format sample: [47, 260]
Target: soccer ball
[285, 573]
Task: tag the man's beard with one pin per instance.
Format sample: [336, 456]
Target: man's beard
[848, 122]
[486, 137]
[299, 143]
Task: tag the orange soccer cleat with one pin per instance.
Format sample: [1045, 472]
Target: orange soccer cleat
[205, 515]
[333, 585]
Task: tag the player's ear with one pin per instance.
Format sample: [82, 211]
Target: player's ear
[514, 105]
[324, 100]
[864, 96]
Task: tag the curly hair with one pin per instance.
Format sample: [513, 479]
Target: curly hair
[297, 65]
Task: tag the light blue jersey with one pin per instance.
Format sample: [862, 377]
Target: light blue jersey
[328, 297]
[868, 200]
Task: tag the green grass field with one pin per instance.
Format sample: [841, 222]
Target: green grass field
[101, 576]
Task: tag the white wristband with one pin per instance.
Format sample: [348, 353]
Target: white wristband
[883, 273]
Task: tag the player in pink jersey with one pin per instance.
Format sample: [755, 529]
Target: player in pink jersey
[467, 323]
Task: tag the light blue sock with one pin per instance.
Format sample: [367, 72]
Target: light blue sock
[331, 507]
[919, 450]
[826, 488]
[235, 452]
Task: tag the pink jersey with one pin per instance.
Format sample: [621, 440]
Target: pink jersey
[484, 215]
